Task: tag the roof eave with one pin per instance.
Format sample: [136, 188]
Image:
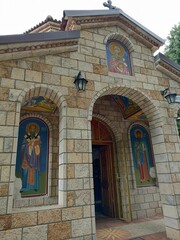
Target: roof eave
[169, 67]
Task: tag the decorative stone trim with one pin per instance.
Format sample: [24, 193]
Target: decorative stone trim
[95, 21]
[123, 39]
[170, 71]
[38, 47]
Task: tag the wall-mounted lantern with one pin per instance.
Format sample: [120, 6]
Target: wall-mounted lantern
[80, 82]
[170, 97]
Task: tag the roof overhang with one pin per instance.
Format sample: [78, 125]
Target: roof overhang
[81, 19]
[167, 66]
[36, 44]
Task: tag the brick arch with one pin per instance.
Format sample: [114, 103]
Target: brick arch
[45, 91]
[109, 124]
[144, 102]
[123, 39]
[57, 97]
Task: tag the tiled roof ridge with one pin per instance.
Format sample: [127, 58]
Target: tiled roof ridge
[49, 18]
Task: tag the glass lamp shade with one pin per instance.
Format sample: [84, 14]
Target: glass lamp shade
[171, 98]
[80, 82]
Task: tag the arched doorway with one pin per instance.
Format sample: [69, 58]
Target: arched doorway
[103, 169]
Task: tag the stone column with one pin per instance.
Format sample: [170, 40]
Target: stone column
[167, 158]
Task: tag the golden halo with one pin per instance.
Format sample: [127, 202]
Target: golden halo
[114, 45]
[28, 127]
[138, 131]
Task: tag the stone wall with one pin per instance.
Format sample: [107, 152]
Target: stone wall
[145, 201]
[72, 217]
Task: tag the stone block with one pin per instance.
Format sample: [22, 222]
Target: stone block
[3, 189]
[7, 82]
[24, 219]
[35, 233]
[53, 60]
[99, 69]
[17, 73]
[148, 198]
[5, 158]
[87, 211]
[141, 214]
[83, 197]
[81, 146]
[41, 67]
[5, 173]
[15, 234]
[80, 123]
[70, 199]
[11, 118]
[59, 231]
[171, 222]
[91, 59]
[74, 157]
[74, 184]
[70, 171]
[86, 50]
[66, 62]
[151, 212]
[8, 144]
[14, 94]
[5, 72]
[4, 93]
[3, 118]
[51, 79]
[3, 205]
[81, 170]
[173, 233]
[33, 76]
[85, 66]
[139, 199]
[81, 227]
[6, 131]
[5, 222]
[71, 213]
[170, 211]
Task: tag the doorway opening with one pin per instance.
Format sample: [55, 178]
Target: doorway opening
[103, 170]
[104, 196]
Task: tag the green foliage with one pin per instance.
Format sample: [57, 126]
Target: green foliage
[172, 49]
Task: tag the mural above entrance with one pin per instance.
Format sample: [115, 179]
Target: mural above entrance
[39, 104]
[32, 157]
[118, 57]
[129, 109]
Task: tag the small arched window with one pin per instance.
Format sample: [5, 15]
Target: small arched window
[118, 58]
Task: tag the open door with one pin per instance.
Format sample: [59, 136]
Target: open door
[107, 190]
[104, 183]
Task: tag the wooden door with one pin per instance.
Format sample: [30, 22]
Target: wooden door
[107, 192]
[102, 139]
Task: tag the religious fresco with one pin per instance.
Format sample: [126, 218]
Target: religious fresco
[129, 109]
[32, 157]
[142, 156]
[118, 58]
[178, 125]
[178, 122]
[39, 104]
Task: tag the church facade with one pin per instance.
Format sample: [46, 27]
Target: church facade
[68, 154]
